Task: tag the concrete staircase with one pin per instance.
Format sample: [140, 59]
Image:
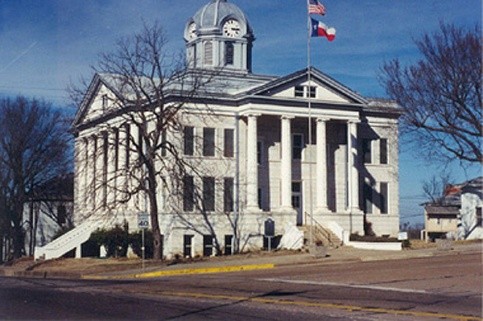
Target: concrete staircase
[69, 241]
[321, 235]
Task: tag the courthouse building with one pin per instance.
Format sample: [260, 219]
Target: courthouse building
[299, 149]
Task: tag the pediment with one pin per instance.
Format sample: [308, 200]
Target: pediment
[296, 86]
[100, 99]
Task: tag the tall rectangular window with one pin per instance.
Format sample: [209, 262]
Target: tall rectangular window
[188, 193]
[228, 203]
[367, 194]
[187, 245]
[189, 141]
[163, 144]
[61, 214]
[229, 53]
[208, 141]
[228, 244]
[229, 142]
[259, 152]
[127, 143]
[367, 151]
[384, 198]
[207, 245]
[209, 194]
[208, 53]
[383, 151]
[297, 146]
[105, 163]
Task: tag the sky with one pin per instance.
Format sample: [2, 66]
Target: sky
[47, 44]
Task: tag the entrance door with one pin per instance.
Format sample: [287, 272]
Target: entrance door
[297, 201]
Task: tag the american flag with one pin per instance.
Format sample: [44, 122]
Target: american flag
[315, 7]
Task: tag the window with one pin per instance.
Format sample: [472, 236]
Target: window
[229, 53]
[297, 146]
[187, 245]
[207, 245]
[105, 161]
[228, 195]
[305, 91]
[313, 91]
[188, 193]
[208, 142]
[209, 53]
[383, 151]
[260, 197]
[128, 144]
[189, 140]
[105, 102]
[367, 194]
[259, 152]
[367, 151]
[163, 144]
[229, 150]
[384, 201]
[116, 150]
[208, 194]
[61, 214]
[299, 91]
[228, 244]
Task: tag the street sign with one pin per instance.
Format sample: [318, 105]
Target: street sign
[143, 220]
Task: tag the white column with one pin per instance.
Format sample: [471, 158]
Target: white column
[321, 166]
[352, 168]
[286, 165]
[252, 165]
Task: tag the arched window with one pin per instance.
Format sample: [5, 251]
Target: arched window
[229, 53]
[208, 53]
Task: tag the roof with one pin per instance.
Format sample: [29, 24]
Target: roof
[453, 192]
[442, 210]
[234, 88]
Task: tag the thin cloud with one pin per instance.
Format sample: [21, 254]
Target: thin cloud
[32, 45]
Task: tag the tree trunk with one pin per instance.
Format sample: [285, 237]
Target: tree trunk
[18, 242]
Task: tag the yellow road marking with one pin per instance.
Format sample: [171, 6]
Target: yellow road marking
[350, 308]
[156, 274]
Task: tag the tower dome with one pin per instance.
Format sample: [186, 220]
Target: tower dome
[219, 36]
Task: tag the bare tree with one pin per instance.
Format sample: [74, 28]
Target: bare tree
[441, 95]
[33, 149]
[435, 187]
[151, 87]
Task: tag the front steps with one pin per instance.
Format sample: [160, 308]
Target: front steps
[69, 241]
[321, 236]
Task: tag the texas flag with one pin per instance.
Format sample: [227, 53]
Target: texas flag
[319, 29]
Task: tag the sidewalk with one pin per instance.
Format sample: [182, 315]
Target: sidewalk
[132, 269]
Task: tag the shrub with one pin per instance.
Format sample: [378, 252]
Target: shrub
[135, 239]
[116, 240]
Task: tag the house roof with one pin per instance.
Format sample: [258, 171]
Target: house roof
[452, 193]
[442, 210]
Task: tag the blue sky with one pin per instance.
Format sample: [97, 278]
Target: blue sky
[45, 44]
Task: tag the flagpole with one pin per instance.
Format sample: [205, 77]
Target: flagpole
[311, 193]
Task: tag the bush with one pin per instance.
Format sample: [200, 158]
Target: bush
[116, 240]
[369, 238]
[135, 239]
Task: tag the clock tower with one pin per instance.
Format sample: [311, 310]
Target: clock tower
[219, 36]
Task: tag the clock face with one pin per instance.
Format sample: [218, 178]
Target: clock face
[231, 28]
[192, 31]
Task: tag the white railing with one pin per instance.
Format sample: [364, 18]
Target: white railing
[67, 242]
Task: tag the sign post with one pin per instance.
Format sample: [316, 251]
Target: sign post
[269, 232]
[143, 224]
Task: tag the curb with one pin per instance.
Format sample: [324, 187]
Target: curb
[157, 274]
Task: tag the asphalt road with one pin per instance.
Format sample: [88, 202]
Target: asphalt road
[432, 288]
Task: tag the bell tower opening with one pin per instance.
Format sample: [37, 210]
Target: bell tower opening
[219, 36]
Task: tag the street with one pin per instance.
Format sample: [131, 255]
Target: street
[433, 288]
